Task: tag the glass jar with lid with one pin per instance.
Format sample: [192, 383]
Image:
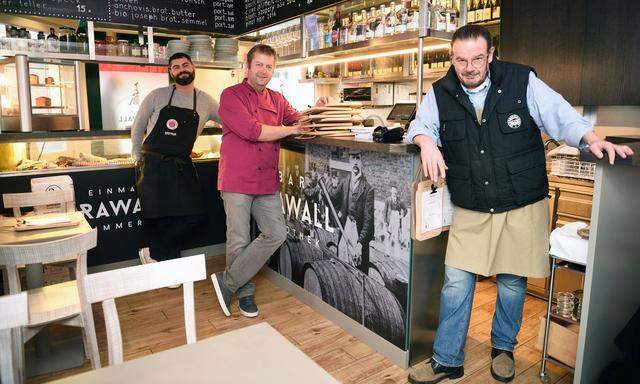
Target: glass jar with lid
[67, 40]
[136, 49]
[123, 48]
[112, 47]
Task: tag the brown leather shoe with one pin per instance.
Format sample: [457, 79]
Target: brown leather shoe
[432, 372]
[503, 367]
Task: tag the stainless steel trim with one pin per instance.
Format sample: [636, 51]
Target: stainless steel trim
[24, 92]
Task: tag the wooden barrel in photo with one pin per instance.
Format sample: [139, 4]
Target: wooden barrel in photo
[393, 273]
[341, 286]
[293, 257]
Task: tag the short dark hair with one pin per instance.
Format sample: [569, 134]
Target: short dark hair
[263, 49]
[179, 55]
[472, 31]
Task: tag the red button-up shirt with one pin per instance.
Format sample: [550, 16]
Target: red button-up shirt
[247, 165]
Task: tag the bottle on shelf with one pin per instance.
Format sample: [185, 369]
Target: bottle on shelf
[353, 28]
[327, 33]
[479, 11]
[344, 31]
[359, 27]
[53, 44]
[441, 16]
[371, 23]
[447, 59]
[413, 16]
[452, 16]
[402, 18]
[364, 18]
[486, 11]
[495, 10]
[335, 30]
[82, 41]
[391, 20]
[471, 11]
[41, 44]
[379, 31]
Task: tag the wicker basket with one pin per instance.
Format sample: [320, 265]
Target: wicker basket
[565, 162]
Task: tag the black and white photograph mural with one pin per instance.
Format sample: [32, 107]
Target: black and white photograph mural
[349, 233]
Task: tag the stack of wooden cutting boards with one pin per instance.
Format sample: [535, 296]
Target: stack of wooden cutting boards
[332, 120]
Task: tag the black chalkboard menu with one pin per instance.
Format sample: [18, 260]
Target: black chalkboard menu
[220, 16]
[260, 13]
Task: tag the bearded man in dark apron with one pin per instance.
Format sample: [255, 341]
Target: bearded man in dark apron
[166, 179]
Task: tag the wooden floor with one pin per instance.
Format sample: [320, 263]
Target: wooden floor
[153, 321]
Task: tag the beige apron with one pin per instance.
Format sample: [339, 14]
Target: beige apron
[515, 242]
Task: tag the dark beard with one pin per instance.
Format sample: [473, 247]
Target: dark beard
[185, 80]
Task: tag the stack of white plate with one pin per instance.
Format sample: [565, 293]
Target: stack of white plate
[226, 49]
[175, 46]
[201, 49]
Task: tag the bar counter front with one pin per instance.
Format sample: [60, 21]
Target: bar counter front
[330, 185]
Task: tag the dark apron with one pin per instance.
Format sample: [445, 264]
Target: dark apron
[166, 179]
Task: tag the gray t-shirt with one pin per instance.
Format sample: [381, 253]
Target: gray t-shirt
[206, 106]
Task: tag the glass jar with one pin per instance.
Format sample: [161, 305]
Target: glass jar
[67, 40]
[136, 50]
[112, 47]
[101, 47]
[123, 48]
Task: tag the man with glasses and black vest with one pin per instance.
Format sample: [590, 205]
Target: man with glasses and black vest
[487, 116]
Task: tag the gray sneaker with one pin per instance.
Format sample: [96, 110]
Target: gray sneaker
[503, 366]
[248, 306]
[224, 294]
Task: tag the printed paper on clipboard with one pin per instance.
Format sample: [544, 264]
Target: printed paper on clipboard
[427, 210]
[447, 207]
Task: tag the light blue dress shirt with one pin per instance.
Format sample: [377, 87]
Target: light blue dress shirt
[550, 111]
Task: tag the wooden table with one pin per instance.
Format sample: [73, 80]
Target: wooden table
[70, 354]
[255, 354]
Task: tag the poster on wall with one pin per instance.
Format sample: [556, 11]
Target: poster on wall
[122, 90]
[348, 233]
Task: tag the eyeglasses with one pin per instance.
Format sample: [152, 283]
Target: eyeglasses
[476, 63]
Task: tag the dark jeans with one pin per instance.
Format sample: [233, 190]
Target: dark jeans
[167, 234]
[364, 263]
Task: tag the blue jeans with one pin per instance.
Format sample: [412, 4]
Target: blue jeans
[456, 300]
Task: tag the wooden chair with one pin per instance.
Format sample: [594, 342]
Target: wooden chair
[58, 303]
[16, 201]
[14, 313]
[106, 286]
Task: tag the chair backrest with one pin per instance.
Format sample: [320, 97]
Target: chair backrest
[106, 286]
[32, 199]
[69, 248]
[14, 312]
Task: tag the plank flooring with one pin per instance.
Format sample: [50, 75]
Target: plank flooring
[153, 321]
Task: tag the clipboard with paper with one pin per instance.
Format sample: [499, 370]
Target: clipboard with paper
[432, 210]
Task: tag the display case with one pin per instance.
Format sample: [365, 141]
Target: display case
[42, 153]
[38, 95]
[54, 96]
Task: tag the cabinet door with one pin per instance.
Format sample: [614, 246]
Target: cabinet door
[612, 56]
[549, 36]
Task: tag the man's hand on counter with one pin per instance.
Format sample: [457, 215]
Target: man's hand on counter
[598, 147]
[432, 161]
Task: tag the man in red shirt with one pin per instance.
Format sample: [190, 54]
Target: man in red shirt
[254, 119]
